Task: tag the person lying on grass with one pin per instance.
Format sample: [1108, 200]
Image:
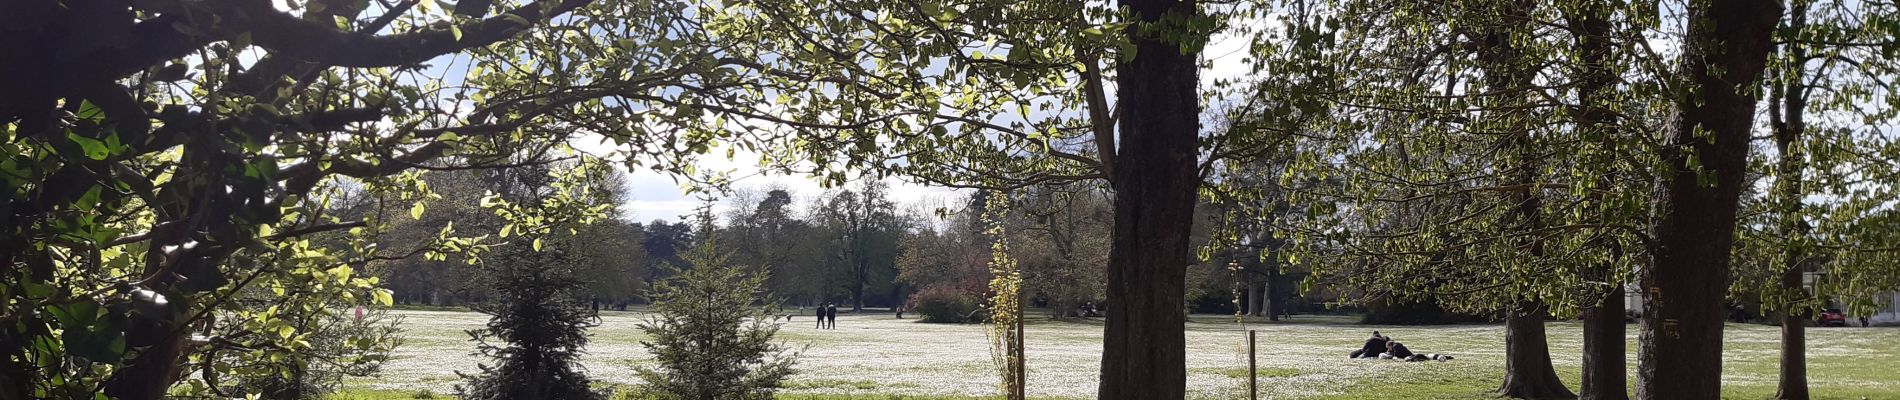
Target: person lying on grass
[1374, 345]
[1397, 351]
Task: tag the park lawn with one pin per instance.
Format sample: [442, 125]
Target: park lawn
[875, 356]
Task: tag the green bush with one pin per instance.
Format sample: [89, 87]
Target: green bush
[939, 304]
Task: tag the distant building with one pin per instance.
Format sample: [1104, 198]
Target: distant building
[1889, 313]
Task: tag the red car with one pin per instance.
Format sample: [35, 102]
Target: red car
[1833, 317]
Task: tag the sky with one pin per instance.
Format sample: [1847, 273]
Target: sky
[654, 195]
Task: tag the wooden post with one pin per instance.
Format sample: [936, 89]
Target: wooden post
[1022, 374]
[1253, 376]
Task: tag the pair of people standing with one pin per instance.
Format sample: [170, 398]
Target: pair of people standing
[827, 316]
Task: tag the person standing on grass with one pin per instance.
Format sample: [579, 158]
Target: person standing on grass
[818, 314]
[831, 316]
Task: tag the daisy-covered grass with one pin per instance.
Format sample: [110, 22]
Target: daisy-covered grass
[876, 356]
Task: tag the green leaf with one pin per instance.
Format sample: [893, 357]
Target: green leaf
[90, 111]
[416, 211]
[537, 244]
[456, 31]
[341, 273]
[90, 199]
[383, 297]
[93, 148]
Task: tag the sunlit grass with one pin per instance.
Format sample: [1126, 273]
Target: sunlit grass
[874, 356]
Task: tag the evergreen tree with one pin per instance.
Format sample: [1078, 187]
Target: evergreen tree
[712, 331]
[540, 317]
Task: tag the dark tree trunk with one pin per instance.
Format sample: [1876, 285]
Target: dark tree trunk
[1507, 71]
[1155, 181]
[1605, 366]
[1789, 126]
[857, 285]
[151, 373]
[1271, 293]
[1527, 370]
[1693, 229]
[1794, 356]
[157, 365]
[1605, 346]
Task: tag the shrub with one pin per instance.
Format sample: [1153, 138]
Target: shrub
[1211, 302]
[940, 304]
[344, 341]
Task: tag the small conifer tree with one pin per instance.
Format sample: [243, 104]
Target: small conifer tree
[542, 323]
[712, 331]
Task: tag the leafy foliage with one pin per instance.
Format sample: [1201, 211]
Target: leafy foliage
[354, 343]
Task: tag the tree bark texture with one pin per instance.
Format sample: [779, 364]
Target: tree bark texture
[1605, 349]
[1527, 370]
[1695, 199]
[1155, 183]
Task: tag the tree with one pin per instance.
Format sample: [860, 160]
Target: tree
[1257, 216]
[969, 123]
[612, 261]
[768, 233]
[1597, 65]
[1705, 151]
[664, 242]
[1060, 239]
[712, 331]
[540, 316]
[952, 259]
[1825, 143]
[540, 311]
[866, 228]
[1450, 163]
[182, 140]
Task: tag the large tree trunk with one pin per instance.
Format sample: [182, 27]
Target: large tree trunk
[1794, 356]
[1527, 370]
[1706, 152]
[1605, 367]
[1155, 181]
[162, 343]
[1605, 347]
[1508, 72]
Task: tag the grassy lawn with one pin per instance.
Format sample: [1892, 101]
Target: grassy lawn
[876, 356]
